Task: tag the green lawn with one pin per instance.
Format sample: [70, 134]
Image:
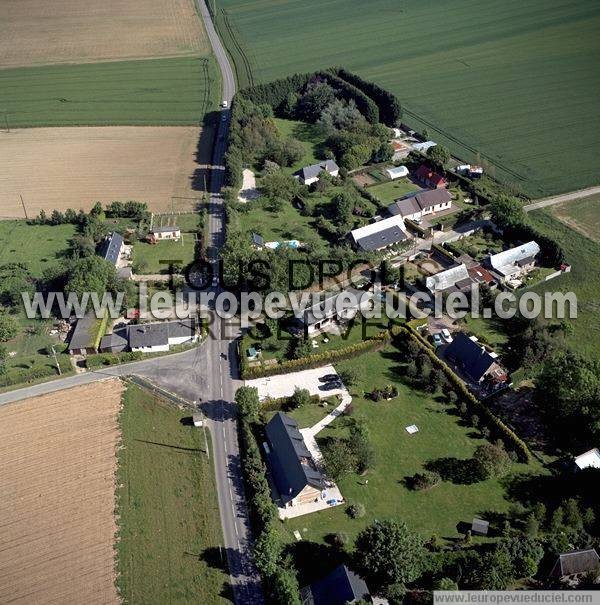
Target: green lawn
[147, 257]
[308, 135]
[169, 526]
[584, 280]
[581, 215]
[479, 245]
[515, 81]
[392, 190]
[157, 91]
[398, 455]
[38, 246]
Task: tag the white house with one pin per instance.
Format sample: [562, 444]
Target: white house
[310, 174]
[398, 172]
[514, 262]
[161, 336]
[381, 234]
[421, 204]
[165, 233]
[327, 313]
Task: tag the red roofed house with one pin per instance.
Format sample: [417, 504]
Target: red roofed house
[430, 178]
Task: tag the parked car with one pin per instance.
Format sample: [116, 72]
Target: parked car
[446, 335]
[224, 104]
[437, 340]
[331, 386]
[329, 378]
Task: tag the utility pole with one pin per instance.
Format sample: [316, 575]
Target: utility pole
[6, 121]
[203, 429]
[23, 204]
[56, 361]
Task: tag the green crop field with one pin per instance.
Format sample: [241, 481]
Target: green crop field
[37, 246]
[516, 81]
[152, 92]
[169, 526]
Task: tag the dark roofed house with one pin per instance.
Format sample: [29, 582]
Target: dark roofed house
[429, 178]
[86, 336]
[294, 472]
[380, 234]
[421, 204]
[474, 360]
[116, 342]
[576, 562]
[160, 336]
[310, 174]
[338, 588]
[257, 241]
[111, 248]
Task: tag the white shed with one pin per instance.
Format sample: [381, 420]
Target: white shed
[397, 172]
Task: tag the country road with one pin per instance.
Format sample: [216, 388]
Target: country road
[563, 197]
[206, 374]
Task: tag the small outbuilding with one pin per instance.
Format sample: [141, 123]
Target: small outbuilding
[575, 562]
[169, 232]
[479, 527]
[590, 459]
[397, 172]
[198, 420]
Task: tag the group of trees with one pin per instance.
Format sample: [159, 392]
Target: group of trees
[354, 453]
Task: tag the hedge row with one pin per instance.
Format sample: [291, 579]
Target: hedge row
[443, 251]
[25, 376]
[279, 582]
[349, 92]
[313, 361]
[111, 359]
[498, 428]
[390, 109]
[276, 92]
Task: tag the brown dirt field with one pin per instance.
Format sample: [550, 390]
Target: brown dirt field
[57, 499]
[75, 167]
[38, 32]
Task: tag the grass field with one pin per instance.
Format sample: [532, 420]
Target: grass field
[584, 280]
[60, 168]
[153, 92]
[441, 435]
[37, 246]
[392, 190]
[147, 257]
[516, 81]
[34, 32]
[581, 215]
[58, 496]
[169, 523]
[307, 134]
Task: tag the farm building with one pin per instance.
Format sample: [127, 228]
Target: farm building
[590, 459]
[158, 234]
[401, 150]
[474, 360]
[326, 314]
[514, 263]
[473, 172]
[310, 174]
[570, 564]
[455, 279]
[160, 337]
[380, 235]
[341, 586]
[111, 248]
[294, 471]
[87, 335]
[421, 204]
[430, 178]
[424, 146]
[397, 172]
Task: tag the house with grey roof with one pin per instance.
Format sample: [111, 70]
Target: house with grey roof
[515, 262]
[294, 472]
[380, 234]
[474, 361]
[161, 336]
[310, 174]
[421, 204]
[340, 587]
[327, 313]
[570, 564]
[111, 248]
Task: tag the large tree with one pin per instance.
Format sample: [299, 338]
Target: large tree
[92, 274]
[248, 403]
[507, 212]
[388, 552]
[8, 327]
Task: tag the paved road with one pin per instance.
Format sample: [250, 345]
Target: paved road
[207, 374]
[563, 197]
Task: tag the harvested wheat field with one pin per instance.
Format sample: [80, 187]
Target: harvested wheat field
[60, 168]
[37, 32]
[57, 499]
